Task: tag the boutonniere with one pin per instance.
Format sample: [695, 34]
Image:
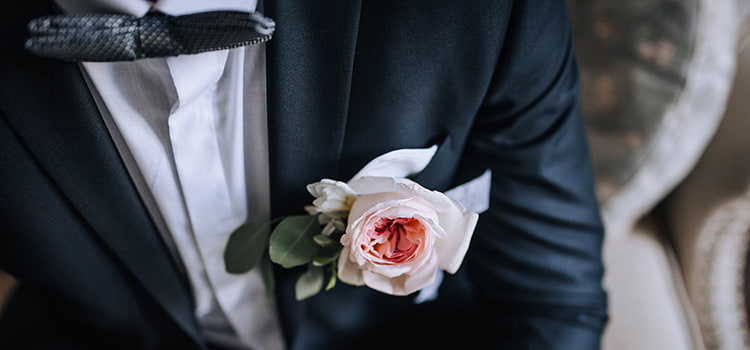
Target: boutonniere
[386, 232]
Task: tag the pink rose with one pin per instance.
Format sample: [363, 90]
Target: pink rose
[399, 234]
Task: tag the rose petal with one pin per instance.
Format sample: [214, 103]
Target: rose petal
[349, 272]
[424, 277]
[380, 282]
[374, 210]
[331, 197]
[316, 189]
[459, 227]
[404, 284]
[396, 204]
[371, 184]
[392, 271]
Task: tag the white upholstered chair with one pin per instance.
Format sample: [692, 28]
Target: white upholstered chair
[657, 75]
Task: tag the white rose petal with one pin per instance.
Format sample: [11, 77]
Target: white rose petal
[332, 197]
[403, 284]
[452, 249]
[374, 184]
[348, 272]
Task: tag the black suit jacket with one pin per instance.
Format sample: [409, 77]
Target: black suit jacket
[494, 83]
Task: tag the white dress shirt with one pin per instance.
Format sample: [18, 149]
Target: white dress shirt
[192, 131]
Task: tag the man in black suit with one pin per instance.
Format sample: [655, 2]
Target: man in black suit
[494, 83]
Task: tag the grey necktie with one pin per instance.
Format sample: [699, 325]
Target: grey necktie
[114, 37]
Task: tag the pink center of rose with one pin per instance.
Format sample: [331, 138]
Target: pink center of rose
[394, 240]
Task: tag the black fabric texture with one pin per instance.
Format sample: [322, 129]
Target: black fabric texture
[494, 83]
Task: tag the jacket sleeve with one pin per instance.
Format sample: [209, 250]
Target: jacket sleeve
[535, 258]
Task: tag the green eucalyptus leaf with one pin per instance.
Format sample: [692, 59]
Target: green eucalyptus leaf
[325, 241]
[292, 241]
[266, 270]
[323, 260]
[327, 256]
[245, 247]
[309, 283]
[339, 225]
[332, 278]
[328, 229]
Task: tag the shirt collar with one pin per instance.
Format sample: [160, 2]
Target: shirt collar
[141, 7]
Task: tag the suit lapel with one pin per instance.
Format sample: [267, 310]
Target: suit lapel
[48, 105]
[310, 63]
[309, 70]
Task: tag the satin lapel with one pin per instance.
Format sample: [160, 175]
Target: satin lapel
[48, 105]
[310, 61]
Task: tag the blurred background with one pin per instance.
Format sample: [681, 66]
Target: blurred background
[666, 100]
